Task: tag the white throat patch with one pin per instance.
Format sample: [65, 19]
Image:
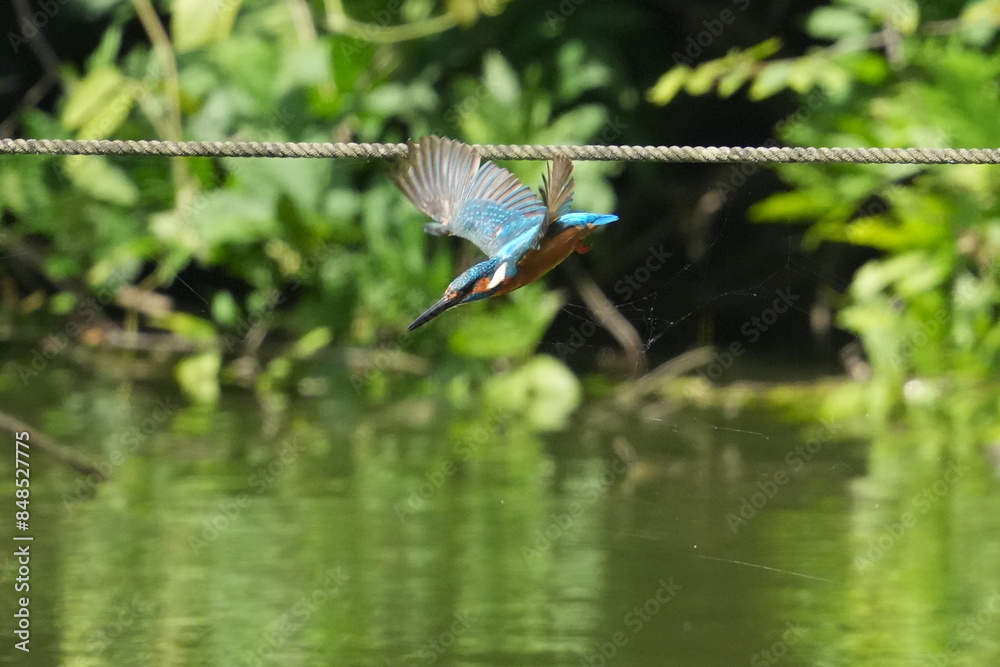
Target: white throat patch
[498, 276]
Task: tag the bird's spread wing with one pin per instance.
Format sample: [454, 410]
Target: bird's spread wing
[557, 190]
[435, 176]
[498, 211]
[557, 187]
[484, 204]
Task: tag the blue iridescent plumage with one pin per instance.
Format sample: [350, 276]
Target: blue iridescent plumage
[523, 236]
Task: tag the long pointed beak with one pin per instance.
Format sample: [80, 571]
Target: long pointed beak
[442, 305]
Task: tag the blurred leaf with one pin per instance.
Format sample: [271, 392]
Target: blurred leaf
[705, 76]
[805, 73]
[481, 334]
[351, 60]
[584, 120]
[773, 78]
[226, 216]
[305, 65]
[224, 308]
[836, 23]
[98, 104]
[105, 54]
[797, 205]
[912, 273]
[98, 177]
[198, 377]
[22, 186]
[543, 393]
[122, 263]
[670, 84]
[465, 12]
[188, 326]
[870, 68]
[304, 181]
[275, 375]
[981, 20]
[60, 267]
[500, 79]
[312, 342]
[398, 99]
[62, 303]
[578, 73]
[735, 79]
[985, 11]
[902, 15]
[725, 75]
[763, 50]
[197, 23]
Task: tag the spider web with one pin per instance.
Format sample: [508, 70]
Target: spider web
[647, 310]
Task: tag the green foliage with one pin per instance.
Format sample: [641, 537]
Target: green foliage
[316, 245]
[543, 394]
[872, 39]
[896, 76]
[482, 335]
[726, 75]
[197, 375]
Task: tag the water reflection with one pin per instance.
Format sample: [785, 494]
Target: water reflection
[344, 538]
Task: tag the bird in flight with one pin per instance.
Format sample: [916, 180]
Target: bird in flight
[523, 236]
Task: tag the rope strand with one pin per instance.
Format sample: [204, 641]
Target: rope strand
[715, 154]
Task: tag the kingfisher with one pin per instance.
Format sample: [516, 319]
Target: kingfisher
[523, 235]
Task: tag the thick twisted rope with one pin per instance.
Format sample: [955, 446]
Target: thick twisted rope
[725, 154]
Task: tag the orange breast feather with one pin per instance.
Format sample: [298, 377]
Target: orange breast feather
[536, 263]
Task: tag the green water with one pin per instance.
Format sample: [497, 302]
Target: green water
[331, 535]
